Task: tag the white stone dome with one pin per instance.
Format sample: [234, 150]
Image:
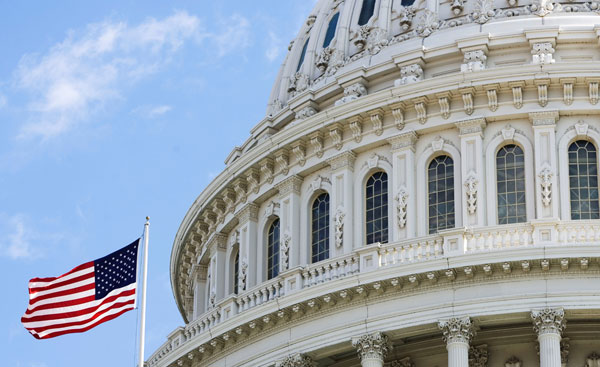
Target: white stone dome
[426, 178]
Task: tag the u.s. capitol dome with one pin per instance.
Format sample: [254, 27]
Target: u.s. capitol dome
[423, 191]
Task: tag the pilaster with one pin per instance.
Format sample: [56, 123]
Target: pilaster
[218, 253]
[248, 270]
[404, 192]
[472, 170]
[546, 165]
[342, 183]
[289, 204]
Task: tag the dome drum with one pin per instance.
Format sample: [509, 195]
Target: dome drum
[423, 191]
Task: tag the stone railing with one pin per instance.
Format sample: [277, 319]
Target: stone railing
[450, 243]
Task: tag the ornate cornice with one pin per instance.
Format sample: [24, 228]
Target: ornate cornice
[249, 212]
[457, 330]
[342, 160]
[471, 126]
[404, 140]
[290, 185]
[544, 118]
[549, 321]
[372, 346]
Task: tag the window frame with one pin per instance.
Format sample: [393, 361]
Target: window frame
[387, 206]
[327, 227]
[276, 266]
[497, 209]
[568, 174]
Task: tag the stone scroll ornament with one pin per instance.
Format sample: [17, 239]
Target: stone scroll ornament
[285, 251]
[243, 275]
[546, 184]
[471, 184]
[401, 207]
[339, 227]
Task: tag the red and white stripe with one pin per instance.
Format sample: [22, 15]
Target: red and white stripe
[67, 304]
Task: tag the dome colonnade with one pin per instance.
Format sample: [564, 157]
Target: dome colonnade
[431, 173]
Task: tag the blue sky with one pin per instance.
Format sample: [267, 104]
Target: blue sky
[111, 111]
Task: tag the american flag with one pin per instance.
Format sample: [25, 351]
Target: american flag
[85, 297]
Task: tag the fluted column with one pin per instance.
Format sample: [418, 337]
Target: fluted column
[549, 324]
[248, 270]
[458, 333]
[372, 349]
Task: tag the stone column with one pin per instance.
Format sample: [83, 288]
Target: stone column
[248, 266]
[473, 177]
[342, 188]
[372, 349]
[549, 324]
[289, 206]
[403, 171]
[296, 360]
[458, 333]
[546, 167]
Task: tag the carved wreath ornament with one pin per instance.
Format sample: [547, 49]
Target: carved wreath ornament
[401, 207]
[546, 184]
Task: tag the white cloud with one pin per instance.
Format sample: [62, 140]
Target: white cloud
[152, 111]
[274, 47]
[81, 74]
[234, 35]
[16, 244]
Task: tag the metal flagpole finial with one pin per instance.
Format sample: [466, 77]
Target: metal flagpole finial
[147, 218]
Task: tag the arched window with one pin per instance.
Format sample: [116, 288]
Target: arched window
[440, 181]
[331, 30]
[583, 180]
[377, 208]
[407, 2]
[320, 228]
[273, 250]
[366, 12]
[236, 272]
[302, 55]
[510, 183]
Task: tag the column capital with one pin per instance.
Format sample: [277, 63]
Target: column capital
[548, 321]
[249, 212]
[218, 241]
[343, 160]
[290, 185]
[402, 141]
[471, 126]
[296, 360]
[457, 330]
[372, 346]
[544, 118]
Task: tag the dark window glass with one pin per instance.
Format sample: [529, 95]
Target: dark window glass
[440, 181]
[583, 179]
[273, 250]
[510, 184]
[302, 55]
[331, 30]
[320, 228]
[377, 208]
[236, 272]
[407, 2]
[366, 12]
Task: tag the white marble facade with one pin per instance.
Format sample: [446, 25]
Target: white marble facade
[420, 82]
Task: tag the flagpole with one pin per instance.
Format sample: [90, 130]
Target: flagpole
[143, 307]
